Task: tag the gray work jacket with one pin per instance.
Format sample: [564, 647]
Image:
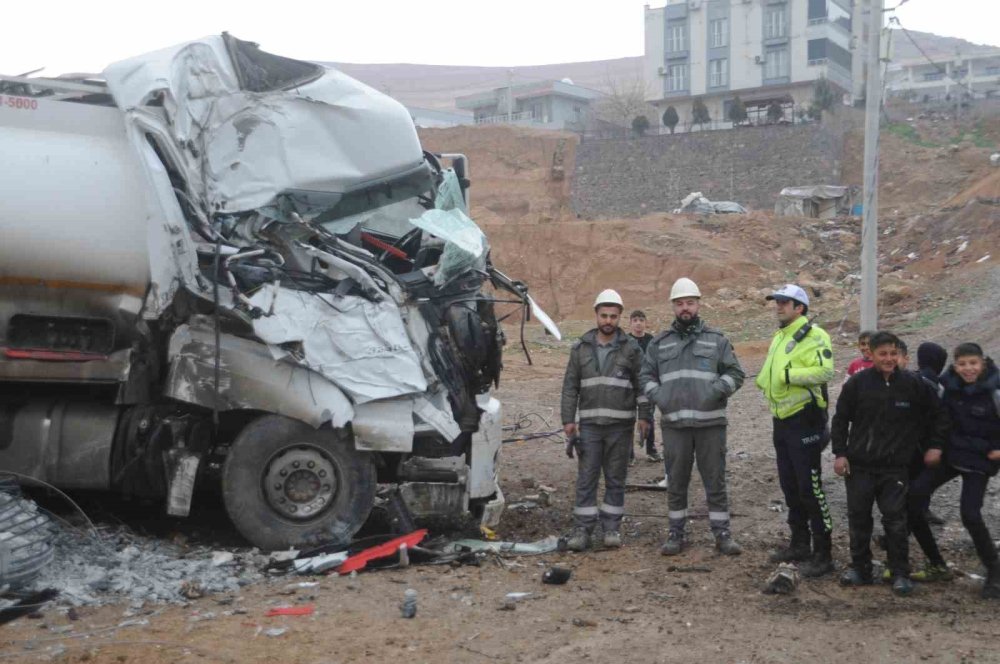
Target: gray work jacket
[610, 396]
[690, 375]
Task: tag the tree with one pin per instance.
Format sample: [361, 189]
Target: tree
[640, 124]
[625, 99]
[670, 118]
[699, 113]
[824, 97]
[737, 111]
[775, 112]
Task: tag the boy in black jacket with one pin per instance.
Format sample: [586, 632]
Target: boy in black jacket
[972, 399]
[881, 418]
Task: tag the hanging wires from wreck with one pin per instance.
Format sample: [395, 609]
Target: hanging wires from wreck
[526, 421]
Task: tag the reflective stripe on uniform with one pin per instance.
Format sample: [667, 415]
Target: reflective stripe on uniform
[677, 514]
[608, 412]
[730, 381]
[650, 386]
[641, 399]
[706, 343]
[586, 511]
[687, 373]
[605, 380]
[718, 516]
[678, 415]
[612, 509]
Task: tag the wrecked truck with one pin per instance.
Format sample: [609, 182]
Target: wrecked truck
[222, 267]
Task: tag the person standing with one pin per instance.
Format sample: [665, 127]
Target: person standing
[865, 361]
[799, 364]
[637, 330]
[689, 371]
[883, 413]
[601, 386]
[972, 400]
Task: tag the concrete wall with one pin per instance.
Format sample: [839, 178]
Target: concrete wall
[749, 165]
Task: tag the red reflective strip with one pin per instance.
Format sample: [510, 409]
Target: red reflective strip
[384, 246]
[51, 355]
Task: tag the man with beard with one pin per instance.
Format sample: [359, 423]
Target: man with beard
[601, 385]
[690, 371]
[799, 364]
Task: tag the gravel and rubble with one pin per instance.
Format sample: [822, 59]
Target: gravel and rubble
[114, 564]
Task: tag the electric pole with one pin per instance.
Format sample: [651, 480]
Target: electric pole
[510, 96]
[869, 223]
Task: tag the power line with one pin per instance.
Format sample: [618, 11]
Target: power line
[941, 70]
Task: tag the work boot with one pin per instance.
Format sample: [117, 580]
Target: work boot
[931, 573]
[675, 543]
[797, 550]
[856, 577]
[612, 539]
[726, 545]
[991, 587]
[654, 456]
[579, 539]
[821, 561]
[901, 585]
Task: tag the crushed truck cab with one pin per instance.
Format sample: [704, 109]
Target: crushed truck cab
[222, 265]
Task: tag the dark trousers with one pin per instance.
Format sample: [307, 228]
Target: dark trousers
[603, 447]
[796, 443]
[888, 488]
[971, 507]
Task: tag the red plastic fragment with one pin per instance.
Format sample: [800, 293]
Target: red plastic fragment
[359, 560]
[304, 610]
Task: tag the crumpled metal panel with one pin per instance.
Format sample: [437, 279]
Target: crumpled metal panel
[360, 345]
[244, 148]
[249, 378]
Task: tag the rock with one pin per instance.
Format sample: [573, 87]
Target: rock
[893, 293]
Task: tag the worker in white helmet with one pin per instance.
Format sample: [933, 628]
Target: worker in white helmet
[601, 387]
[689, 371]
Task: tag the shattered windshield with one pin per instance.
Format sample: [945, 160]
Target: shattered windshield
[385, 208]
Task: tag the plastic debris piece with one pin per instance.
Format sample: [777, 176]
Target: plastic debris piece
[304, 610]
[408, 608]
[547, 545]
[783, 581]
[319, 564]
[360, 560]
[275, 631]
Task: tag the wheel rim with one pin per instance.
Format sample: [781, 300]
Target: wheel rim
[300, 482]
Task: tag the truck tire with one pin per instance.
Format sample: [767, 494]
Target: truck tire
[286, 484]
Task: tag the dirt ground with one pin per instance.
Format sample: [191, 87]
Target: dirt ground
[634, 605]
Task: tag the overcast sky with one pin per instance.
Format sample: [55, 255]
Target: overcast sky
[82, 36]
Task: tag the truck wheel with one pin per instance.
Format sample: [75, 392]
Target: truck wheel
[286, 484]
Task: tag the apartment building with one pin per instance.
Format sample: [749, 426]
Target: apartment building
[543, 104]
[955, 77]
[765, 51]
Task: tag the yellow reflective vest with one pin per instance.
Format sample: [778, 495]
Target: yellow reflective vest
[796, 369]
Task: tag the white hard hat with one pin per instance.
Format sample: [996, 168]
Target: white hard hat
[684, 287]
[790, 292]
[609, 296]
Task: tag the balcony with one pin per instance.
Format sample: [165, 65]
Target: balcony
[508, 118]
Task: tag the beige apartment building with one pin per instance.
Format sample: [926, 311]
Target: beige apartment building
[765, 51]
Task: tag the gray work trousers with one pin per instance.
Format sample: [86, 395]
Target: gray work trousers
[681, 448]
[602, 447]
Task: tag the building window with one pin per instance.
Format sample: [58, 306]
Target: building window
[675, 38]
[934, 76]
[817, 11]
[676, 78]
[775, 24]
[718, 35]
[718, 73]
[776, 63]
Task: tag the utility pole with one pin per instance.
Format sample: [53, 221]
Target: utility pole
[869, 223]
[510, 96]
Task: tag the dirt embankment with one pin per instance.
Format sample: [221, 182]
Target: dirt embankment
[939, 220]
